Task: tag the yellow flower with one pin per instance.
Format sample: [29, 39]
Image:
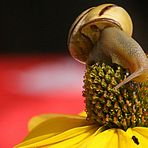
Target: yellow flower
[74, 131]
[113, 118]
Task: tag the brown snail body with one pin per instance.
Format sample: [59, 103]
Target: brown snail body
[104, 34]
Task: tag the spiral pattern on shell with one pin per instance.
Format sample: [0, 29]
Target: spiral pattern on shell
[86, 29]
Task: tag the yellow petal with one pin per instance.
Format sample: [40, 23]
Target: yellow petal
[73, 137]
[111, 138]
[106, 139]
[64, 139]
[84, 143]
[142, 130]
[53, 125]
[139, 136]
[57, 124]
[124, 140]
[83, 114]
[35, 121]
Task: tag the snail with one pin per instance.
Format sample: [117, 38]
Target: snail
[103, 34]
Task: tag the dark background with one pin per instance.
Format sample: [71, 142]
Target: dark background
[41, 26]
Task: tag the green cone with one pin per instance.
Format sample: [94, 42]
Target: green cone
[122, 108]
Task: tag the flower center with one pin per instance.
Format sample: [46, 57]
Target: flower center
[122, 108]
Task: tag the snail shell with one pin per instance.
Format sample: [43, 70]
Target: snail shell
[86, 30]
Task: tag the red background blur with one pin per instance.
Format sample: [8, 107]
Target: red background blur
[35, 84]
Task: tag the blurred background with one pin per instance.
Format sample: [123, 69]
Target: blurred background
[42, 26]
[37, 74]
